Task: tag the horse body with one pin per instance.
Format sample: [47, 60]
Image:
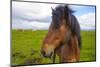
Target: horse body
[63, 37]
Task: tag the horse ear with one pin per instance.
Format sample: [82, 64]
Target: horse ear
[52, 9]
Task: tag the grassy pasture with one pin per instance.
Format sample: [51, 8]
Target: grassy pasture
[26, 47]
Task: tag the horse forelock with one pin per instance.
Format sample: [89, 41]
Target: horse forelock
[59, 13]
[56, 16]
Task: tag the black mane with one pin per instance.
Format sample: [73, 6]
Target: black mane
[58, 12]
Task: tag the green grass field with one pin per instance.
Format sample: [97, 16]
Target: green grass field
[26, 47]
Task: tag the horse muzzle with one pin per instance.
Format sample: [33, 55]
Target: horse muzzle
[46, 54]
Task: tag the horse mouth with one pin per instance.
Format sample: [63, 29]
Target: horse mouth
[48, 55]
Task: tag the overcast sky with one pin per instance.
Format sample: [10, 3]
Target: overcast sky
[38, 15]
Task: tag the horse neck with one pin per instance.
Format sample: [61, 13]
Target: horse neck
[69, 52]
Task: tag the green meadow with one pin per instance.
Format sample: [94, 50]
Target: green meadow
[26, 45]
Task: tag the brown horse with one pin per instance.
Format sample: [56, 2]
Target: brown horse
[63, 37]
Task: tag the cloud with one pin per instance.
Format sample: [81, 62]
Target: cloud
[31, 15]
[31, 11]
[21, 24]
[87, 21]
[38, 16]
